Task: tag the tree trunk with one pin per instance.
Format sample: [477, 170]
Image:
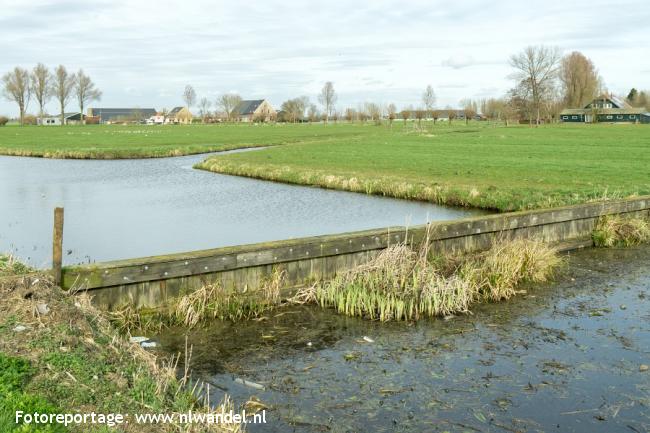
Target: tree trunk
[62, 115]
[81, 118]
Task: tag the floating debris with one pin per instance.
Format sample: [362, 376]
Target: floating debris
[249, 383]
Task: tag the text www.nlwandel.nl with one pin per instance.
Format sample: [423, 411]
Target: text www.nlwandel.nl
[116, 419]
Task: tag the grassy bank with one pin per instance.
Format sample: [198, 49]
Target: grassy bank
[143, 141]
[479, 165]
[60, 355]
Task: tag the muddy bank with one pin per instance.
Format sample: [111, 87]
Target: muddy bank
[567, 356]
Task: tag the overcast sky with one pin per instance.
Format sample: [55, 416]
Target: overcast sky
[142, 53]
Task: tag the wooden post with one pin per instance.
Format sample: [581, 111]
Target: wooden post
[57, 245]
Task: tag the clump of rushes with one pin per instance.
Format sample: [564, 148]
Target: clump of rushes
[500, 270]
[10, 266]
[402, 284]
[214, 302]
[622, 231]
[211, 301]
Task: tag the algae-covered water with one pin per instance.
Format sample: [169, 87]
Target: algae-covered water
[565, 357]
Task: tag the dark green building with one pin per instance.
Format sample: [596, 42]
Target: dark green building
[606, 109]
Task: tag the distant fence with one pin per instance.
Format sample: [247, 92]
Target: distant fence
[149, 281]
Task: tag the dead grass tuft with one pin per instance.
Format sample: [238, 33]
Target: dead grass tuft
[622, 231]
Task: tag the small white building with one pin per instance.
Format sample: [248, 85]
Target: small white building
[156, 119]
[68, 119]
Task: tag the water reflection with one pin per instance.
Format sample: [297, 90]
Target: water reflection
[131, 208]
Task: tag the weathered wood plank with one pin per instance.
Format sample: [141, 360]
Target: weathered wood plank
[471, 233]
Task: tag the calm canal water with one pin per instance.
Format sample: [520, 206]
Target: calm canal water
[564, 357]
[132, 208]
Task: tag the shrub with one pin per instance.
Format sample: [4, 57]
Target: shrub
[3, 120]
[613, 231]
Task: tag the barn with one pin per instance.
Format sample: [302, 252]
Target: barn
[606, 109]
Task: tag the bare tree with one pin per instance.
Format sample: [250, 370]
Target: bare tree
[419, 115]
[62, 86]
[41, 87]
[189, 96]
[312, 113]
[537, 68]
[228, 102]
[16, 88]
[350, 114]
[294, 109]
[451, 114]
[327, 98]
[406, 114]
[85, 91]
[429, 99]
[391, 110]
[580, 80]
[374, 111]
[470, 108]
[204, 108]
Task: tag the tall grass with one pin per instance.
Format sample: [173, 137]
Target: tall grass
[215, 302]
[622, 231]
[10, 266]
[402, 284]
[211, 301]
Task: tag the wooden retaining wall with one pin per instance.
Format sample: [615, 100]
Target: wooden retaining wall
[149, 281]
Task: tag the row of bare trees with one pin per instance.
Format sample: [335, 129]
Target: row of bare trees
[293, 110]
[20, 85]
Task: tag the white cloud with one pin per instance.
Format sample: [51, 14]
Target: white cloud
[458, 61]
[381, 50]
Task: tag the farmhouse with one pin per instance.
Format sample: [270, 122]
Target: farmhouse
[120, 115]
[179, 115]
[255, 110]
[606, 109]
[68, 119]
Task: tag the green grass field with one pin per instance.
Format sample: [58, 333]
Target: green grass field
[480, 164]
[144, 141]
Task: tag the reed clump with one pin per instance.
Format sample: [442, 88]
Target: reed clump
[621, 231]
[402, 284]
[497, 273]
[212, 301]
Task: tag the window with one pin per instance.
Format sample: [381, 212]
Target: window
[610, 117]
[632, 116]
[620, 116]
[574, 117]
[565, 117]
